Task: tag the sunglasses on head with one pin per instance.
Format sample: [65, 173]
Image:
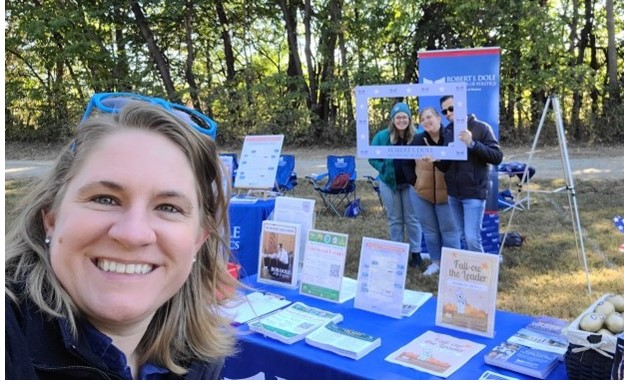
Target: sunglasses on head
[113, 102]
[447, 110]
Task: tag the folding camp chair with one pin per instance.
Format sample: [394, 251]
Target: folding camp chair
[286, 177]
[506, 199]
[374, 182]
[336, 198]
[230, 160]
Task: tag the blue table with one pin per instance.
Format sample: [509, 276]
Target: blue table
[245, 229]
[302, 361]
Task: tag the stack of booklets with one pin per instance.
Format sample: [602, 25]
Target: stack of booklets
[343, 341]
[528, 361]
[293, 323]
[544, 333]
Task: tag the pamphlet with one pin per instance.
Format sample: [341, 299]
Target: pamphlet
[490, 375]
[259, 161]
[253, 305]
[343, 341]
[381, 276]
[435, 353]
[467, 291]
[412, 300]
[528, 361]
[544, 333]
[278, 261]
[293, 323]
[324, 265]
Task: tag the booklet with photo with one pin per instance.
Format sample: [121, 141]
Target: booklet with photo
[293, 322]
[435, 353]
[381, 276]
[412, 300]
[323, 266]
[253, 305]
[545, 333]
[278, 261]
[343, 341]
[467, 291]
[528, 361]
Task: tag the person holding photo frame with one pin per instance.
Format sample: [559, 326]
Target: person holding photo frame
[431, 202]
[467, 180]
[396, 178]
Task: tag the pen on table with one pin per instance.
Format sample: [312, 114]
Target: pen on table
[279, 297]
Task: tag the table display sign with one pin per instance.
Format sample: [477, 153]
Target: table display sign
[323, 268]
[381, 276]
[259, 160]
[435, 353]
[278, 261]
[296, 210]
[467, 291]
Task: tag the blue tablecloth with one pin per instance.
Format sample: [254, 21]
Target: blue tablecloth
[302, 361]
[245, 229]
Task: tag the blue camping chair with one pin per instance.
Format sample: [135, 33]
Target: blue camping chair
[336, 198]
[506, 199]
[286, 177]
[374, 182]
[230, 160]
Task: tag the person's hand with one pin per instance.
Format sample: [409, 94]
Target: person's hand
[428, 158]
[466, 137]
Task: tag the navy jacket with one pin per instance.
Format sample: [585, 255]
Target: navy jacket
[40, 347]
[468, 179]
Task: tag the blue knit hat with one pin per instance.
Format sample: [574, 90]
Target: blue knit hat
[400, 107]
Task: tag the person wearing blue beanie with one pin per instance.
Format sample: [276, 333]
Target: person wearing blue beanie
[396, 178]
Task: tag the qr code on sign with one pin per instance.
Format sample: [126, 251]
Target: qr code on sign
[334, 271]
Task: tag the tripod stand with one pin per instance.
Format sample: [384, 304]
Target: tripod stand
[569, 182]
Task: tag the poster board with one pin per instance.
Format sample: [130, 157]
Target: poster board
[278, 260]
[258, 162]
[381, 276]
[467, 291]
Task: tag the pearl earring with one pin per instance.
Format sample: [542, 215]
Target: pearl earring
[48, 240]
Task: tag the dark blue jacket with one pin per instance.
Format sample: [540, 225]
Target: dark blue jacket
[40, 347]
[468, 179]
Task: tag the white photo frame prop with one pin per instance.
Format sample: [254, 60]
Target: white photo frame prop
[455, 150]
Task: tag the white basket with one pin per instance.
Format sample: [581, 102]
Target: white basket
[579, 337]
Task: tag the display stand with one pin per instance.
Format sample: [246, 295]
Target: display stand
[258, 166]
[568, 178]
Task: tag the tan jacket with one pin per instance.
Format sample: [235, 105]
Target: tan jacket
[430, 183]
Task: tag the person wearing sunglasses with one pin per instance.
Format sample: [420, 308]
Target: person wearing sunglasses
[431, 201]
[117, 263]
[467, 180]
[396, 177]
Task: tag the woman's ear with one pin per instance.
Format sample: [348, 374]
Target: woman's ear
[49, 220]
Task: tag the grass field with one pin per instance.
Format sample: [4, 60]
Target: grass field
[544, 276]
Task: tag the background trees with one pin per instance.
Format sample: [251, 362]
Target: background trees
[289, 66]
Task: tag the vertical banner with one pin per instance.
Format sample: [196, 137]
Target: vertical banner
[479, 69]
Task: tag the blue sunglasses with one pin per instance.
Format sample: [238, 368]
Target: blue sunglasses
[113, 102]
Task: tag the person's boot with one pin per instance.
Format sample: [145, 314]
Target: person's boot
[415, 260]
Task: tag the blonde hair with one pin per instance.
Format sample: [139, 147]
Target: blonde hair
[187, 327]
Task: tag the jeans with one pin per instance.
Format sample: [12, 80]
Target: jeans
[402, 215]
[469, 215]
[438, 225]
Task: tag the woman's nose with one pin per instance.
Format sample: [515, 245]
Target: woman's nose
[133, 228]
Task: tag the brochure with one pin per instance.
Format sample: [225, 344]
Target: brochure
[324, 265]
[293, 323]
[278, 261]
[412, 300]
[435, 353]
[467, 291]
[253, 305]
[544, 333]
[528, 361]
[381, 276]
[345, 342]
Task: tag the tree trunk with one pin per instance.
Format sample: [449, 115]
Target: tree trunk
[615, 97]
[157, 55]
[190, 58]
[228, 51]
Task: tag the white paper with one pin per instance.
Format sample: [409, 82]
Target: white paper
[259, 160]
[253, 305]
[412, 300]
[296, 210]
[323, 265]
[381, 276]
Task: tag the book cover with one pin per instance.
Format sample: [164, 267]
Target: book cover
[324, 265]
[293, 323]
[435, 353]
[343, 341]
[381, 276]
[278, 261]
[544, 333]
[528, 361]
[467, 291]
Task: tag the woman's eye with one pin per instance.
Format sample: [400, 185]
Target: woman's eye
[169, 208]
[106, 200]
